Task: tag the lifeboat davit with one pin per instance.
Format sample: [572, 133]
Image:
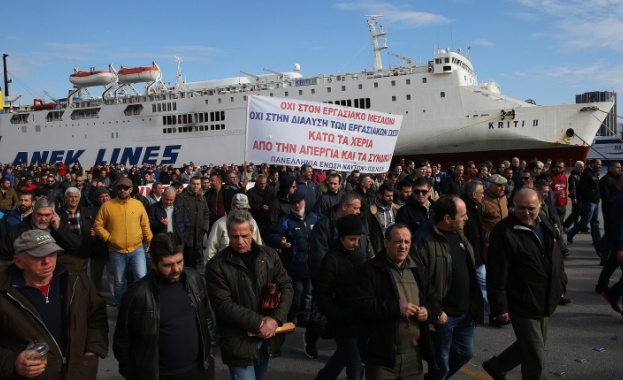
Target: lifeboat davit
[91, 78]
[139, 74]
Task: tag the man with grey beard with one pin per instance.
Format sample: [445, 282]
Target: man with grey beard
[43, 217]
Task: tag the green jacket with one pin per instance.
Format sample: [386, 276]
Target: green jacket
[196, 207]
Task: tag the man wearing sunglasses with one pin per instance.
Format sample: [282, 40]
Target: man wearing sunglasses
[123, 224]
[417, 211]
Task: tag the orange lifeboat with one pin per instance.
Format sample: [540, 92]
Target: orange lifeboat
[38, 104]
[91, 78]
[139, 74]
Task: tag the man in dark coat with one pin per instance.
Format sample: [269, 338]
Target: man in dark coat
[395, 304]
[196, 207]
[525, 279]
[164, 216]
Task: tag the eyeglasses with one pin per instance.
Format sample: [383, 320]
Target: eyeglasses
[526, 178]
[123, 188]
[420, 191]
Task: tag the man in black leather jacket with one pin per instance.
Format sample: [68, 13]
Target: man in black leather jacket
[165, 328]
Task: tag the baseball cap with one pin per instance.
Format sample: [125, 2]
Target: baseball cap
[38, 243]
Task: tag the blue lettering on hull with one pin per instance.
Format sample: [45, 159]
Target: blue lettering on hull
[166, 155]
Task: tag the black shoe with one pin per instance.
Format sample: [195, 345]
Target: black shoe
[599, 289]
[612, 300]
[309, 347]
[487, 367]
[494, 322]
[564, 300]
[569, 239]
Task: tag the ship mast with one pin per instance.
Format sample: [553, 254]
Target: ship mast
[6, 76]
[378, 64]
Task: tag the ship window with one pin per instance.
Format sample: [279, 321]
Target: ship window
[244, 98]
[220, 100]
[360, 86]
[343, 88]
[424, 80]
[231, 99]
[212, 127]
[313, 91]
[447, 68]
[394, 98]
[446, 60]
[286, 93]
[153, 108]
[159, 107]
[24, 130]
[349, 103]
[408, 96]
[174, 106]
[37, 128]
[300, 92]
[393, 83]
[19, 118]
[408, 81]
[328, 89]
[376, 84]
[442, 94]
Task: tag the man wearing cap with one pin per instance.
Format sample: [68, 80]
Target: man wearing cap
[43, 301]
[290, 236]
[322, 235]
[123, 224]
[494, 207]
[195, 204]
[43, 217]
[218, 238]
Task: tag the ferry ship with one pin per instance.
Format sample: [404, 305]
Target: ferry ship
[607, 148]
[448, 115]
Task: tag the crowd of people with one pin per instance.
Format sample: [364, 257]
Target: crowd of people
[396, 267]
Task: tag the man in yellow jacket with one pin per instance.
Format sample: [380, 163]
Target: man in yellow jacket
[123, 224]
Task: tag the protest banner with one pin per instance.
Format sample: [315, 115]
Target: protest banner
[325, 136]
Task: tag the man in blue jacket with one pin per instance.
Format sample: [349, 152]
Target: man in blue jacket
[291, 236]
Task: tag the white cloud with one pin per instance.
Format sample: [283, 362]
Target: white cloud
[400, 15]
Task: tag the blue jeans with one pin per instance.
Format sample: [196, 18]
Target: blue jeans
[590, 213]
[346, 355]
[121, 263]
[256, 372]
[300, 309]
[481, 274]
[454, 346]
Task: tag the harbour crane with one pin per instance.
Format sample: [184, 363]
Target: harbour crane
[408, 60]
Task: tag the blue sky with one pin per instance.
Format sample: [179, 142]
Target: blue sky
[546, 50]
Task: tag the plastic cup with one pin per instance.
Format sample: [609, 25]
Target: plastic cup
[39, 351]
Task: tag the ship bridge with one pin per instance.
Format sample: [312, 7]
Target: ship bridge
[446, 62]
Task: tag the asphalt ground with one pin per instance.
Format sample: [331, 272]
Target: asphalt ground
[585, 337]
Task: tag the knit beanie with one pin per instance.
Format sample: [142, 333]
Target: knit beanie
[349, 225]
